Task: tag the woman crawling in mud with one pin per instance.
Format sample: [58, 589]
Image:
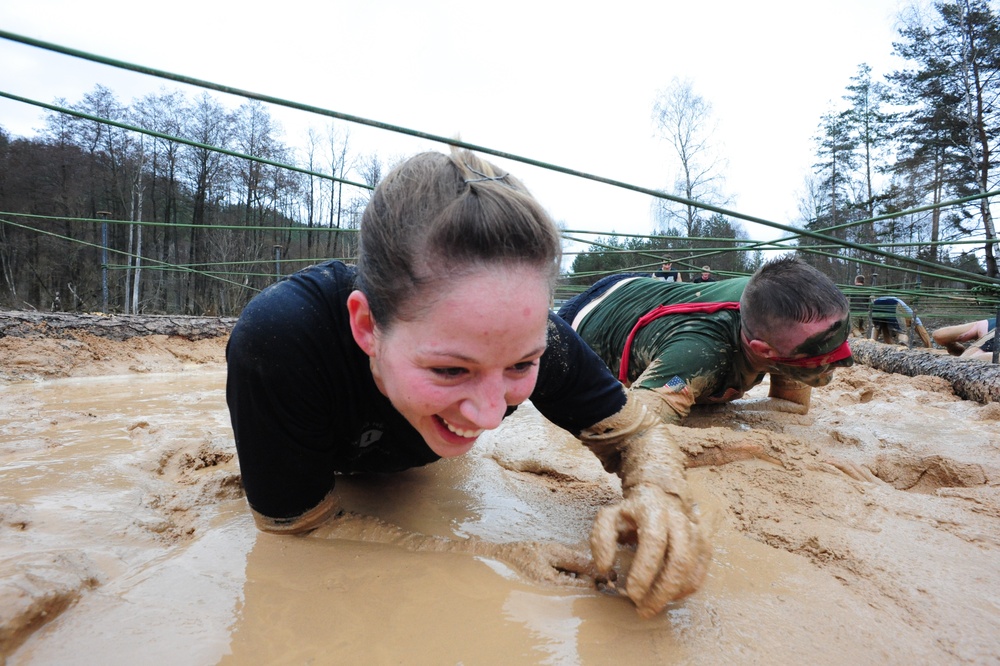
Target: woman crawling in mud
[437, 334]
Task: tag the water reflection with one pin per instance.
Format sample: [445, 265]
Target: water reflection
[551, 621]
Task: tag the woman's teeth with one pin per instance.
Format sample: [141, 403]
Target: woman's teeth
[462, 433]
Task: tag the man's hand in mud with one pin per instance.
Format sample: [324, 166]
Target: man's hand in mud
[770, 405]
[671, 556]
[854, 470]
[787, 395]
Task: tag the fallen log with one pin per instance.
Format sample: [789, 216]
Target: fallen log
[969, 379]
[64, 325]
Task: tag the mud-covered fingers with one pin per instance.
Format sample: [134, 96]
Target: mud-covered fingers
[684, 566]
[655, 531]
[568, 562]
[646, 579]
[784, 405]
[851, 469]
[547, 562]
[686, 569]
[770, 404]
[791, 406]
[667, 541]
[604, 537]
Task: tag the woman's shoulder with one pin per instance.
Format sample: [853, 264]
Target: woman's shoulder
[312, 298]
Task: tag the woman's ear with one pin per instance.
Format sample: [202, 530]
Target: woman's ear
[362, 324]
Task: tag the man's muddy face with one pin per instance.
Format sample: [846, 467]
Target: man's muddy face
[821, 348]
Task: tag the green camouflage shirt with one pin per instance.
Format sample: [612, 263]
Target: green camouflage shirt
[697, 351]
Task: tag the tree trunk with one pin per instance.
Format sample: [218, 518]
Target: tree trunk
[970, 379]
[115, 327]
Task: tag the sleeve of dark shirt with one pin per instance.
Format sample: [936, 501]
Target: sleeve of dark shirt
[281, 391]
[575, 389]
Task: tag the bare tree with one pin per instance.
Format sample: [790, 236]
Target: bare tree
[339, 166]
[162, 112]
[684, 119]
[209, 124]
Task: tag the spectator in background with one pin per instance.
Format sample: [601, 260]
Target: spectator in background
[706, 275]
[667, 273]
[891, 316]
[859, 309]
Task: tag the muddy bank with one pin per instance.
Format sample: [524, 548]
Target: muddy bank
[36, 345]
[124, 535]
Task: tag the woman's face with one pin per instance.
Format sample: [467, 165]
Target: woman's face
[474, 350]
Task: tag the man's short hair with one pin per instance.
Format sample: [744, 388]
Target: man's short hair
[788, 290]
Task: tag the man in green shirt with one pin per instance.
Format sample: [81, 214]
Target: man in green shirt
[681, 344]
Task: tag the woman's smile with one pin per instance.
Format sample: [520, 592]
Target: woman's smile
[453, 371]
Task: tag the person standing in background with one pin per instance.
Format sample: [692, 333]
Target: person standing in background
[706, 275]
[892, 317]
[667, 273]
[859, 309]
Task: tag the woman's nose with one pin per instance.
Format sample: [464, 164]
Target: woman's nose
[486, 405]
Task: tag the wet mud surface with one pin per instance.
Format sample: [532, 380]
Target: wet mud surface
[124, 536]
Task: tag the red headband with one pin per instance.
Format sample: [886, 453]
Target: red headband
[838, 354]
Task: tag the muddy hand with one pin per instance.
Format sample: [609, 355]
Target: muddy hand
[671, 557]
[769, 405]
[657, 512]
[545, 562]
[852, 469]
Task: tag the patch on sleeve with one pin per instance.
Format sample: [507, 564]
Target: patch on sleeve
[675, 384]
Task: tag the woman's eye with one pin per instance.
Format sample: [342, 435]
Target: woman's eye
[449, 373]
[523, 367]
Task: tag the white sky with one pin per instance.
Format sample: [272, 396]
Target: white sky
[567, 83]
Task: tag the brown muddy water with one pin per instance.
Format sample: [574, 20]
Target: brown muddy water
[124, 539]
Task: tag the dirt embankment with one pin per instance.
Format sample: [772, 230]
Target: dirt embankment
[36, 345]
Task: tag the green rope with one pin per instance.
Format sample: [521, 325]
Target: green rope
[516, 158]
[123, 253]
[180, 225]
[177, 139]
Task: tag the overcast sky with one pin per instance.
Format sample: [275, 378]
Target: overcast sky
[566, 83]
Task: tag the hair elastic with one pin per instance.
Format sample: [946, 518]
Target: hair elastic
[483, 176]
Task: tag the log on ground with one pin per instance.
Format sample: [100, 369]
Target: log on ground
[969, 379]
[118, 327]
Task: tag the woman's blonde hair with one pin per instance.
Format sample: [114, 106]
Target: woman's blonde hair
[437, 217]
